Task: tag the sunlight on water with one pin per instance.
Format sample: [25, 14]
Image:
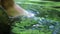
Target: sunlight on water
[30, 14]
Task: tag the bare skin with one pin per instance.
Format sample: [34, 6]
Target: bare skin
[16, 10]
[12, 9]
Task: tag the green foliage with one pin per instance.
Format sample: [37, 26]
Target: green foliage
[3, 16]
[46, 21]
